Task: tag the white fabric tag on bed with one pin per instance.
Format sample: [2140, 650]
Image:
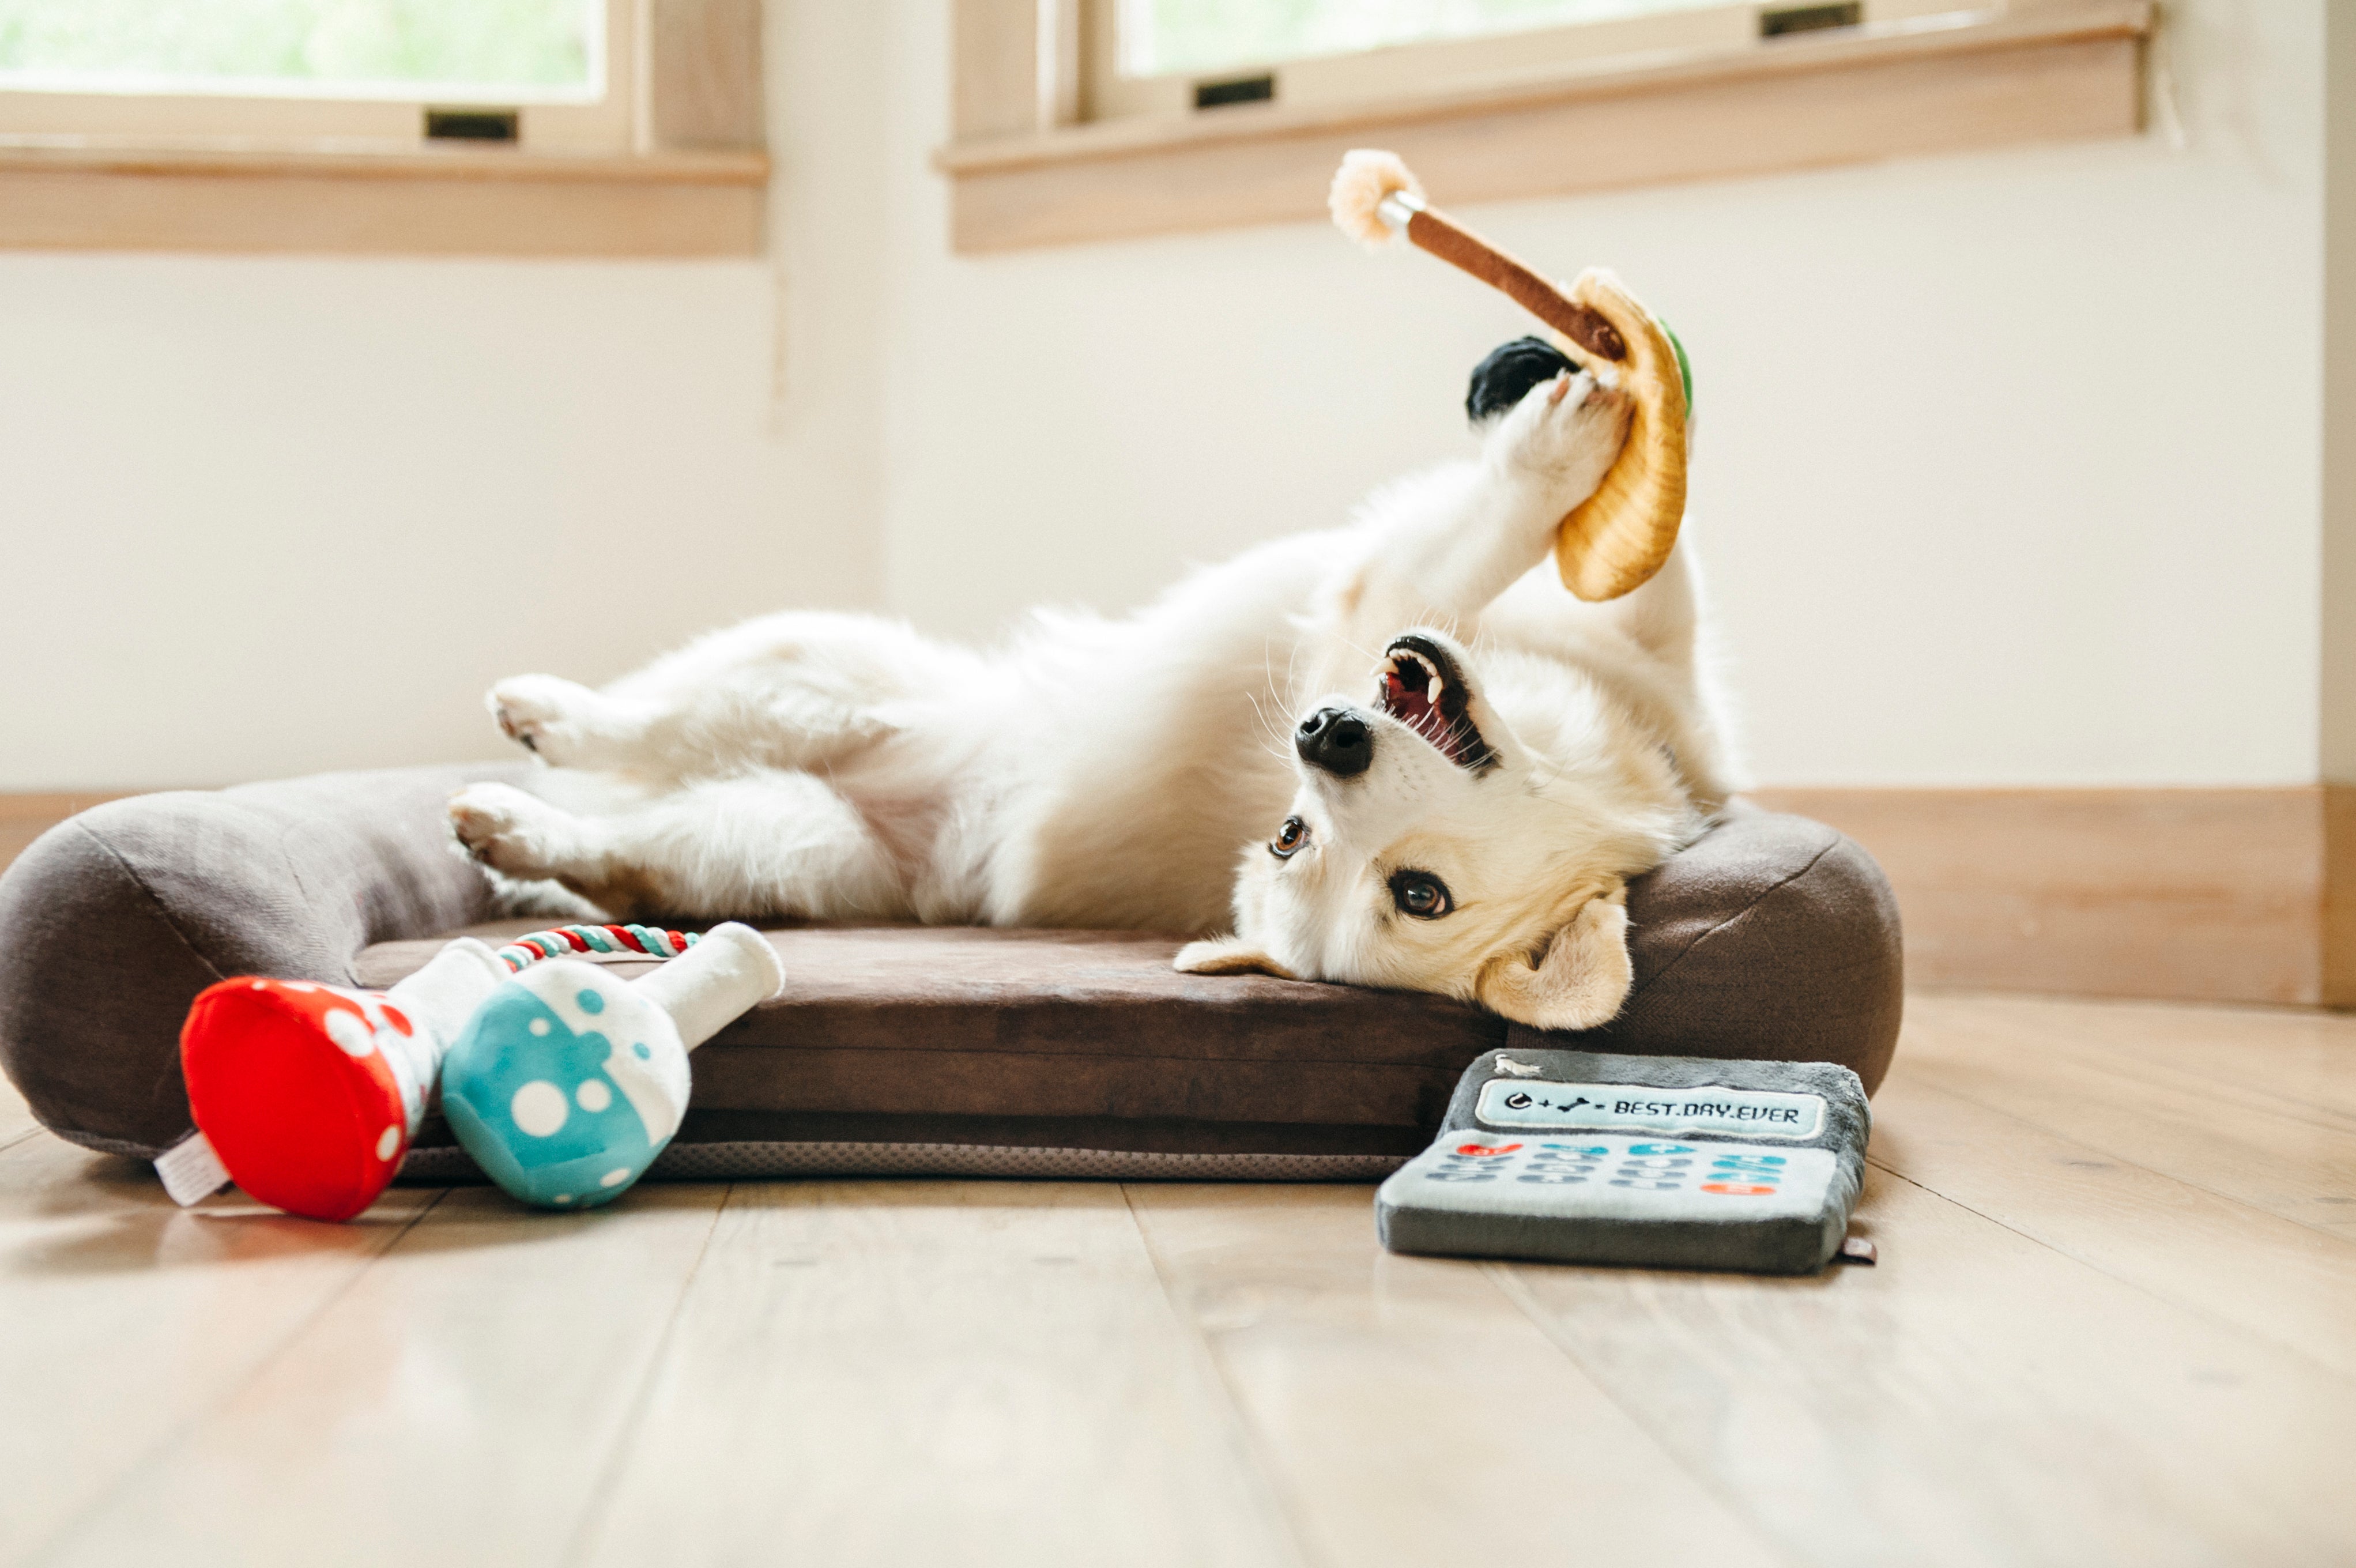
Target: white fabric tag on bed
[1638, 1108]
[192, 1172]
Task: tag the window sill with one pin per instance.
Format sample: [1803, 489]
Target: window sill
[58, 194]
[1941, 84]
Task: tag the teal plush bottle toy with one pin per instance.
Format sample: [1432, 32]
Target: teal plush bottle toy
[567, 1083]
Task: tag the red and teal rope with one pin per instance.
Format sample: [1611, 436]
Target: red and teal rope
[563, 941]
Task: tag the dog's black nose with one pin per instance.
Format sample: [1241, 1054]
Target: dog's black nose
[1336, 740]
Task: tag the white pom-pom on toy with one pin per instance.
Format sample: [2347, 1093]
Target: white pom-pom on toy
[1367, 175]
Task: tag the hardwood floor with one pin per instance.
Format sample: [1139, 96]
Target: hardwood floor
[2114, 1322]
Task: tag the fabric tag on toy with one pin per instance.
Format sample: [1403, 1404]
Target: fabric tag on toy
[191, 1170]
[1679, 1161]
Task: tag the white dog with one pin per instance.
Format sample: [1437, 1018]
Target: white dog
[1465, 827]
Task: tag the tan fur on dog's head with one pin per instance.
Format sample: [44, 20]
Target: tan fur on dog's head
[1469, 855]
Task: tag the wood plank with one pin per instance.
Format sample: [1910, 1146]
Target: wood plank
[975, 1373]
[2059, 891]
[2338, 894]
[127, 1317]
[994, 67]
[1372, 1385]
[458, 1403]
[25, 817]
[1802, 103]
[416, 205]
[703, 70]
[2293, 1061]
[15, 1117]
[2233, 1264]
[2297, 1163]
[1976, 1397]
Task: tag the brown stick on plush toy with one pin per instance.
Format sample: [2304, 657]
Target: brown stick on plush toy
[1618, 538]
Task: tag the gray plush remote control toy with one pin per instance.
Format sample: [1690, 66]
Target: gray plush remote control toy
[1666, 1162]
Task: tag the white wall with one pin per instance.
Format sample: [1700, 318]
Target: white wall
[260, 516]
[2008, 468]
[2010, 465]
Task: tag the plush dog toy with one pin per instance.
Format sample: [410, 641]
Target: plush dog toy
[566, 1084]
[307, 1095]
[1618, 538]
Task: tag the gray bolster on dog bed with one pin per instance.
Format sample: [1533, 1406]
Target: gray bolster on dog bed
[900, 1049]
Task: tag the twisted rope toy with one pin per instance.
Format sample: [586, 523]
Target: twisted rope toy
[565, 940]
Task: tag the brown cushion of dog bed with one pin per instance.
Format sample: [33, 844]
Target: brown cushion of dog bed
[900, 1049]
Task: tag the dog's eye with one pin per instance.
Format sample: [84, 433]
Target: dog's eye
[1420, 893]
[1289, 838]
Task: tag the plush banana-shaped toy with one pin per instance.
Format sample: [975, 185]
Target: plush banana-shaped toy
[1618, 538]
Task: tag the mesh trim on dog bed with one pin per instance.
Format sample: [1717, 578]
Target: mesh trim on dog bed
[758, 1162]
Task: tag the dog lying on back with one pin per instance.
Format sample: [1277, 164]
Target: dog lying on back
[1395, 754]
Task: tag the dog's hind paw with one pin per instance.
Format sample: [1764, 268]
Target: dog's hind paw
[545, 714]
[507, 830]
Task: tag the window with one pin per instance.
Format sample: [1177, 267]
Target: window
[450, 127]
[545, 73]
[1176, 57]
[1090, 120]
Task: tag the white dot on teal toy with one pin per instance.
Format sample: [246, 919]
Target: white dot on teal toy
[594, 1095]
[538, 1109]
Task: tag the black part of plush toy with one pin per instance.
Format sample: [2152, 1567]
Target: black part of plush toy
[1506, 377]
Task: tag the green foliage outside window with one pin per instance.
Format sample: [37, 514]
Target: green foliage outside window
[543, 44]
[1161, 37]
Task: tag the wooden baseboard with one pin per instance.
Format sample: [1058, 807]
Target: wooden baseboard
[24, 818]
[2206, 894]
[2196, 895]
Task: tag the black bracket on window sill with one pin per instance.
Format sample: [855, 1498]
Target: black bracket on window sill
[471, 125]
[1258, 88]
[1809, 18]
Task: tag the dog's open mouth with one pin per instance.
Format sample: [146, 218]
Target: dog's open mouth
[1423, 689]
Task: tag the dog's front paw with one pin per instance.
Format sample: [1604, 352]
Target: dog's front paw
[544, 713]
[1564, 434]
[506, 828]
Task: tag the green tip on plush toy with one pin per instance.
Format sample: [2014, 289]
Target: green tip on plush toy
[1684, 366]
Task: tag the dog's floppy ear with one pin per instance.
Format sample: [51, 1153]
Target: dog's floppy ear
[1227, 955]
[1579, 982]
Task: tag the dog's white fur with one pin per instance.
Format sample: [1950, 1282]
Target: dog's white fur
[1103, 773]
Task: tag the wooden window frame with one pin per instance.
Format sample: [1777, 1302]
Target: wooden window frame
[1026, 168]
[672, 163]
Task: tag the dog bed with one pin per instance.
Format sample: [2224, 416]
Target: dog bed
[900, 1049]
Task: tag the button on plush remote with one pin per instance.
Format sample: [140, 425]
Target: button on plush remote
[1682, 1161]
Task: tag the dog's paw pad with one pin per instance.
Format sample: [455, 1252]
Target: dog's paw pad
[539, 712]
[495, 824]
